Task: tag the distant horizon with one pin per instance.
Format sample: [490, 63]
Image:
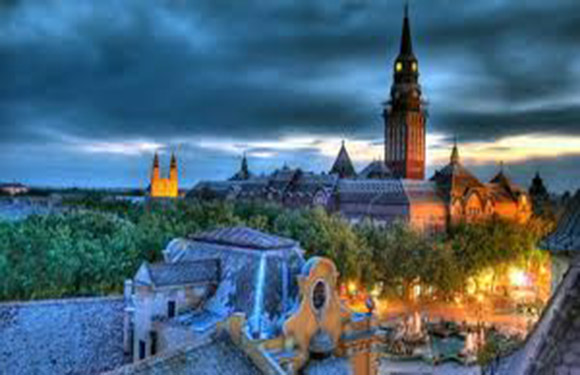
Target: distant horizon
[484, 172]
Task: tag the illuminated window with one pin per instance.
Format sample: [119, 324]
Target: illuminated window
[399, 66]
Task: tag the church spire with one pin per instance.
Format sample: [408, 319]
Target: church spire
[455, 153]
[173, 163]
[173, 175]
[406, 42]
[244, 168]
[155, 173]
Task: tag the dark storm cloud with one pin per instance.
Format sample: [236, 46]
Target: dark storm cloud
[165, 70]
[157, 68]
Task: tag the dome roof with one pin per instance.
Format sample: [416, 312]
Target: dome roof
[321, 343]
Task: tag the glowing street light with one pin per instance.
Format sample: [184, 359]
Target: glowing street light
[518, 277]
[352, 288]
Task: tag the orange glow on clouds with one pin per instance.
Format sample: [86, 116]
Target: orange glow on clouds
[508, 149]
[513, 149]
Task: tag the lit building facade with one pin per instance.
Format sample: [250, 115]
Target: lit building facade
[164, 187]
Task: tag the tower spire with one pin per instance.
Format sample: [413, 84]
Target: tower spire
[156, 160]
[244, 168]
[173, 163]
[455, 152]
[155, 173]
[406, 42]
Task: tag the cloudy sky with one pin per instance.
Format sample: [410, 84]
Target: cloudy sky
[89, 89]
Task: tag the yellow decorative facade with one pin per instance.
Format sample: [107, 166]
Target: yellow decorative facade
[164, 187]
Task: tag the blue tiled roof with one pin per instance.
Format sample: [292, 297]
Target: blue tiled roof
[201, 271]
[244, 237]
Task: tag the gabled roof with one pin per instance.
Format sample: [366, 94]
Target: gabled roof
[183, 273]
[343, 165]
[244, 237]
[566, 237]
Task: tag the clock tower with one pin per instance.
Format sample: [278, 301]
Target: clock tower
[404, 114]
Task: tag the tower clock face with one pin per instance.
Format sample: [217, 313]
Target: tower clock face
[399, 66]
[414, 66]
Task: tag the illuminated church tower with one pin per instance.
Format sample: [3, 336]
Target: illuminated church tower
[404, 114]
[164, 187]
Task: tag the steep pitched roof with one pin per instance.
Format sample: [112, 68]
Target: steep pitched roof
[538, 189]
[454, 178]
[183, 273]
[343, 165]
[566, 237]
[244, 237]
[503, 181]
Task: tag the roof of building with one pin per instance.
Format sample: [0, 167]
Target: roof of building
[321, 343]
[244, 172]
[244, 237]
[329, 366]
[371, 191]
[537, 188]
[566, 237]
[12, 185]
[343, 165]
[502, 180]
[376, 169]
[219, 356]
[454, 178]
[553, 346]
[421, 191]
[183, 273]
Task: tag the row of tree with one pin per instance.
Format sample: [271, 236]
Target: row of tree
[92, 247]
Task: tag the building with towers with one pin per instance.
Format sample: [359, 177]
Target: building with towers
[404, 114]
[164, 187]
[391, 189]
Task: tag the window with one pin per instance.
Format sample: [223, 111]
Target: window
[141, 349]
[171, 309]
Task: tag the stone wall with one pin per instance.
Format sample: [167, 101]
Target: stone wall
[72, 336]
